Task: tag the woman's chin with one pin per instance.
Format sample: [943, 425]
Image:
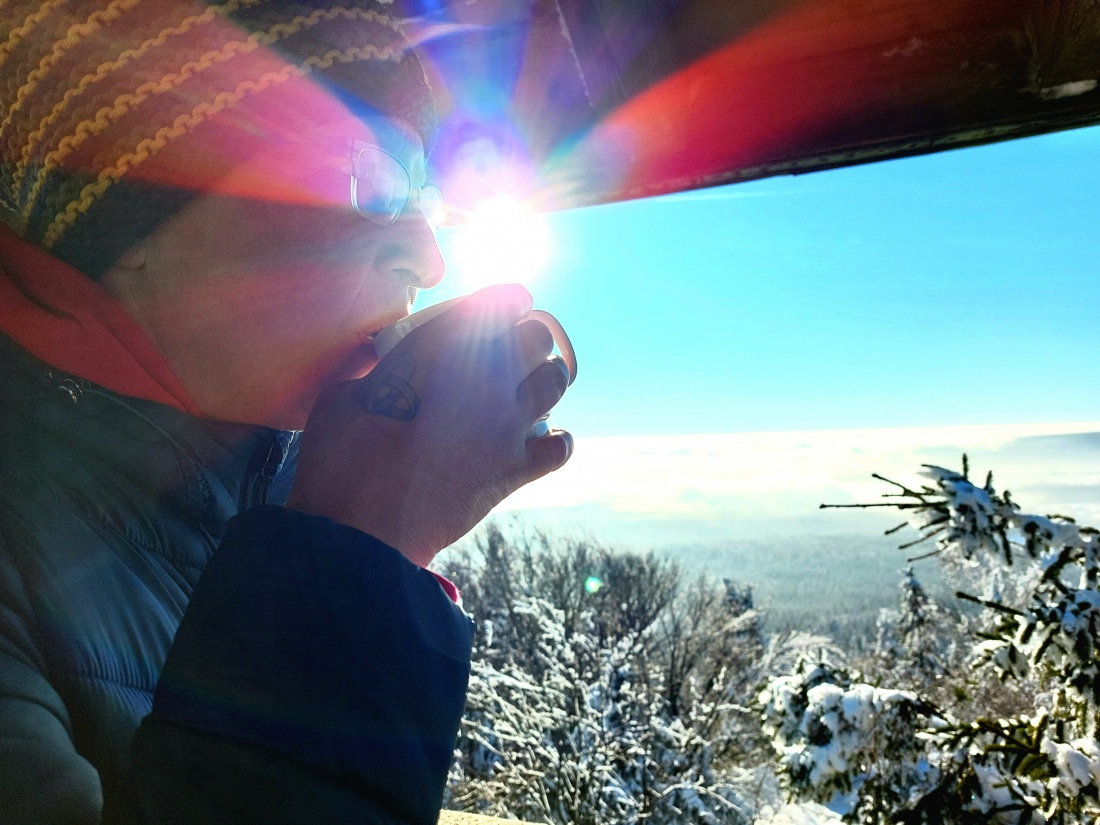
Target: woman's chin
[367, 361]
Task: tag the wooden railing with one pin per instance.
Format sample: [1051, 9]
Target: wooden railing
[456, 818]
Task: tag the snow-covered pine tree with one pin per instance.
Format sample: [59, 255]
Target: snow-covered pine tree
[845, 743]
[1042, 621]
[914, 643]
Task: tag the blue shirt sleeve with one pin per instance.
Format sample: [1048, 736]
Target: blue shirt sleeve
[324, 649]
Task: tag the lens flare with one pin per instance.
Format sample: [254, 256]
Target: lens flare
[502, 241]
[593, 584]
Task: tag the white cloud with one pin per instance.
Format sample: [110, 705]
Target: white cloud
[770, 482]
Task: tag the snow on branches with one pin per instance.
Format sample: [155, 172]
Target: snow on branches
[879, 755]
[844, 743]
[560, 740]
[615, 704]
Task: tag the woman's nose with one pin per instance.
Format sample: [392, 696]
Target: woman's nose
[413, 255]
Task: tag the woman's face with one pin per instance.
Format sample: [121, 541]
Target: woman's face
[268, 291]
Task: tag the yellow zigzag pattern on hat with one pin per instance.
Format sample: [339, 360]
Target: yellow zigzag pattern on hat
[106, 69]
[75, 34]
[204, 111]
[128, 102]
[16, 34]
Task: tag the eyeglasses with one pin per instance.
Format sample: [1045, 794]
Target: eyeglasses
[381, 185]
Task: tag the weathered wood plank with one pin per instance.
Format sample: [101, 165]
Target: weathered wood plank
[456, 818]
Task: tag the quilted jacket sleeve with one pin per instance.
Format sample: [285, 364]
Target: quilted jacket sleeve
[317, 676]
[35, 731]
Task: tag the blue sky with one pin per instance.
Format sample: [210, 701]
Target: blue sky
[959, 288]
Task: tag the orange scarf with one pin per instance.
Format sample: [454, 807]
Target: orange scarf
[67, 320]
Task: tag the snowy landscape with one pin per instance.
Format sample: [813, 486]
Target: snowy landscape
[747, 506]
[670, 628]
[794, 671]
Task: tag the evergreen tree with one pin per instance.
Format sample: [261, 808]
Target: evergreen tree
[914, 644]
[1042, 622]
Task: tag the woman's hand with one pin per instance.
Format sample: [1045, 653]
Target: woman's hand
[420, 450]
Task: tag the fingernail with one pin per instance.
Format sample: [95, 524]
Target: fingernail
[564, 370]
[568, 443]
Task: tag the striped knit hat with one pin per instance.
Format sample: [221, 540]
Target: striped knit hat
[114, 114]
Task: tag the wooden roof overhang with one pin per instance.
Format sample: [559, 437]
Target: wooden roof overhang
[604, 100]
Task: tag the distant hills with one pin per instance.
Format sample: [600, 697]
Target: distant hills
[746, 505]
[831, 583]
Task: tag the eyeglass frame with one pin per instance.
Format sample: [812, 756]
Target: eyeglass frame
[352, 148]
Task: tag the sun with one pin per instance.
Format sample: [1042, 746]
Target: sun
[502, 241]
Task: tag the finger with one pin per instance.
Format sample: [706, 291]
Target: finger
[518, 352]
[561, 339]
[531, 343]
[546, 454]
[542, 389]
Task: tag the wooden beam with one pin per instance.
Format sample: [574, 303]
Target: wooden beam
[619, 99]
[824, 83]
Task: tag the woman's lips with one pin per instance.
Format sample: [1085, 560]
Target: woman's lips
[363, 358]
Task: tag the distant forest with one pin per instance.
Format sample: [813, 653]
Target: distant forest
[836, 584]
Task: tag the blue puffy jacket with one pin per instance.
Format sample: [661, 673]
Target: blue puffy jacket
[282, 668]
